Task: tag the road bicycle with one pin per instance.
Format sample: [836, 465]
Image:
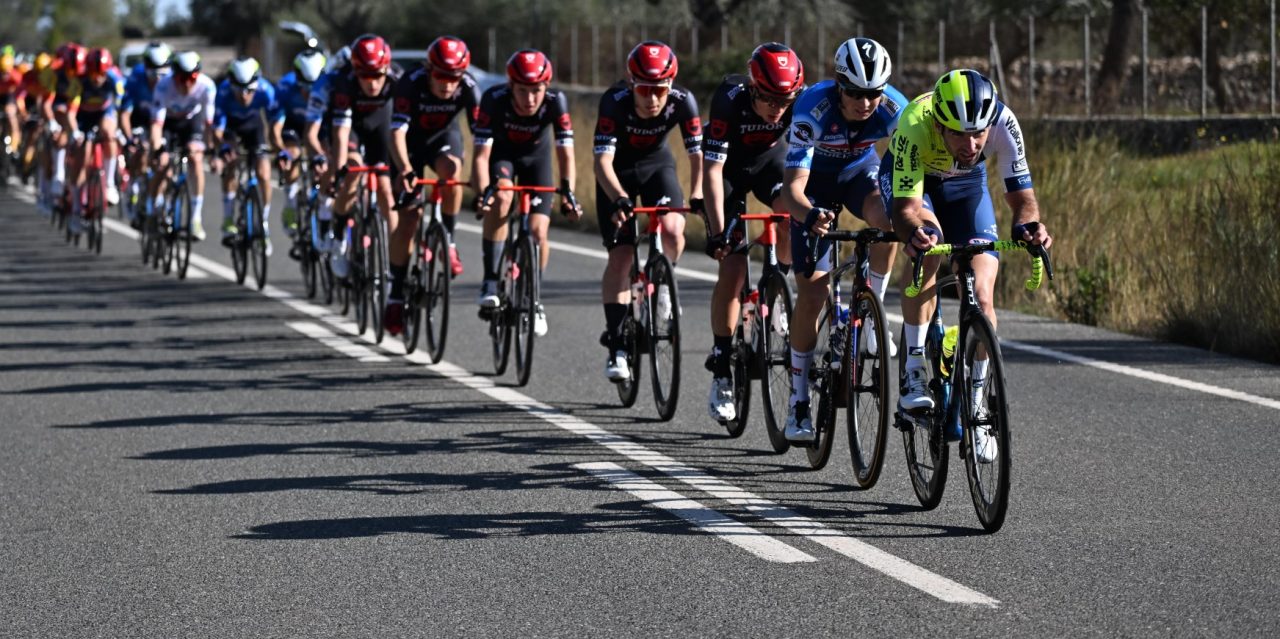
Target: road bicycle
[313, 262]
[426, 288]
[963, 406]
[761, 347]
[249, 243]
[173, 221]
[653, 326]
[846, 374]
[93, 202]
[369, 278]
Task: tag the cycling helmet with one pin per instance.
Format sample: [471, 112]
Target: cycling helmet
[964, 100]
[156, 55]
[861, 63]
[42, 61]
[776, 70]
[7, 61]
[186, 64]
[309, 64]
[529, 66]
[370, 54]
[98, 61]
[652, 61]
[340, 59]
[449, 56]
[73, 58]
[244, 72]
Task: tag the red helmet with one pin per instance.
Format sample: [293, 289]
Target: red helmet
[529, 66]
[99, 61]
[370, 54]
[776, 70]
[73, 58]
[652, 61]
[448, 55]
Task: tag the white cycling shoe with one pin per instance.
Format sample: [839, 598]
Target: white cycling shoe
[917, 397]
[539, 320]
[872, 344]
[616, 368]
[488, 297]
[720, 404]
[113, 195]
[799, 425]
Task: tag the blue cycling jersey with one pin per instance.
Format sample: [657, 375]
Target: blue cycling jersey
[290, 98]
[318, 105]
[228, 106]
[821, 140]
[139, 96]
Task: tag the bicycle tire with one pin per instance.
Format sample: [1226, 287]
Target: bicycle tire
[257, 240]
[867, 412]
[94, 210]
[379, 275]
[414, 296]
[357, 278]
[499, 324]
[822, 380]
[664, 338]
[435, 293]
[922, 440]
[632, 330]
[740, 363]
[523, 307]
[182, 241]
[774, 356]
[990, 489]
[244, 211]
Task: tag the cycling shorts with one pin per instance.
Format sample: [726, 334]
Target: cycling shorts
[424, 153]
[847, 189]
[962, 204]
[294, 131]
[88, 121]
[186, 132]
[249, 133]
[530, 170]
[650, 181]
[762, 177]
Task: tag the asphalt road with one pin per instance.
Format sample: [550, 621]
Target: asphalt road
[192, 459]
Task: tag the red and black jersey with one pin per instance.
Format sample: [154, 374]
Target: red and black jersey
[514, 135]
[736, 134]
[349, 106]
[622, 132]
[423, 114]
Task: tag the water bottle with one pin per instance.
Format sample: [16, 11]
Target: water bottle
[748, 315]
[949, 339]
[637, 297]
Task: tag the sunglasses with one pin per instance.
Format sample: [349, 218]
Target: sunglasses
[441, 76]
[247, 90]
[371, 75]
[862, 94]
[652, 90]
[772, 101]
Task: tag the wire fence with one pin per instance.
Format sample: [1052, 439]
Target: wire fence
[1184, 64]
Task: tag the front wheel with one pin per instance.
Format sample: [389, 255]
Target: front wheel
[95, 210]
[435, 292]
[773, 355]
[985, 416]
[867, 412]
[922, 437]
[258, 240]
[524, 299]
[824, 382]
[741, 365]
[246, 209]
[664, 336]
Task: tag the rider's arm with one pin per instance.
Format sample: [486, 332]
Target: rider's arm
[606, 147]
[341, 136]
[313, 138]
[563, 129]
[691, 132]
[801, 138]
[400, 149]
[482, 139]
[713, 189]
[126, 122]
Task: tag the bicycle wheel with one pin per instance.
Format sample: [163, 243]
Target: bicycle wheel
[379, 277]
[664, 337]
[414, 283]
[773, 355]
[360, 293]
[741, 364]
[823, 382]
[181, 201]
[306, 254]
[922, 437]
[257, 240]
[435, 292]
[95, 209]
[985, 407]
[245, 211]
[499, 325]
[522, 306]
[633, 331]
[867, 410]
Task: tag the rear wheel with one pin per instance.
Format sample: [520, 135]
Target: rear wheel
[825, 382]
[867, 411]
[773, 353]
[95, 209]
[985, 409]
[922, 437]
[257, 240]
[414, 283]
[378, 274]
[664, 336]
[435, 292]
[523, 301]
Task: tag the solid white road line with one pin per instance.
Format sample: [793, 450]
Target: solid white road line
[340, 344]
[121, 228]
[708, 520]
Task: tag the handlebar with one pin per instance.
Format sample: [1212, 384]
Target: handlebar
[661, 210]
[486, 198]
[1040, 263]
[406, 199]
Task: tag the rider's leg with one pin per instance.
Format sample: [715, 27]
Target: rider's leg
[264, 185]
[449, 167]
[725, 307]
[230, 184]
[15, 133]
[107, 133]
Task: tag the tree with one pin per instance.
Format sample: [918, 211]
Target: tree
[139, 18]
[1125, 16]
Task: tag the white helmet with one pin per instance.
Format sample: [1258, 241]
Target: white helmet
[156, 55]
[186, 62]
[309, 64]
[244, 71]
[861, 63]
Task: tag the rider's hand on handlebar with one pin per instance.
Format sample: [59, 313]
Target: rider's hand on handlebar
[717, 246]
[819, 221]
[924, 238]
[1033, 233]
[408, 181]
[626, 208]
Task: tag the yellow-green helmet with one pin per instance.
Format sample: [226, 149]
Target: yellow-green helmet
[965, 100]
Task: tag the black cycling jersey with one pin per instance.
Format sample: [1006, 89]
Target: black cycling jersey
[736, 134]
[513, 135]
[424, 114]
[368, 116]
[622, 132]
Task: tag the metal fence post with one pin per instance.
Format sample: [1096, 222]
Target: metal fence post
[595, 54]
[942, 47]
[755, 32]
[1031, 62]
[1088, 90]
[1145, 59]
[673, 38]
[617, 51]
[1204, 60]
[786, 33]
[553, 47]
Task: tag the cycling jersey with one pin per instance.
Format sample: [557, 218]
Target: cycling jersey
[39, 84]
[369, 116]
[423, 114]
[736, 134]
[11, 83]
[513, 135]
[139, 96]
[291, 98]
[90, 98]
[229, 111]
[622, 132]
[198, 104]
[318, 103]
[919, 151]
[822, 141]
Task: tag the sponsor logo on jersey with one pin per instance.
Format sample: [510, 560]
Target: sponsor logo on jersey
[802, 132]
[905, 183]
[1020, 166]
[821, 109]
[719, 128]
[606, 126]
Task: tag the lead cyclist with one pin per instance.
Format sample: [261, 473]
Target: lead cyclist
[933, 179]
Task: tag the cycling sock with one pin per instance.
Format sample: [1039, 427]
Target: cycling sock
[800, 376]
[879, 283]
[450, 223]
[720, 359]
[60, 165]
[266, 215]
[294, 187]
[197, 208]
[228, 205]
[492, 259]
[111, 172]
[979, 372]
[614, 315]
[914, 336]
[397, 281]
[326, 209]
